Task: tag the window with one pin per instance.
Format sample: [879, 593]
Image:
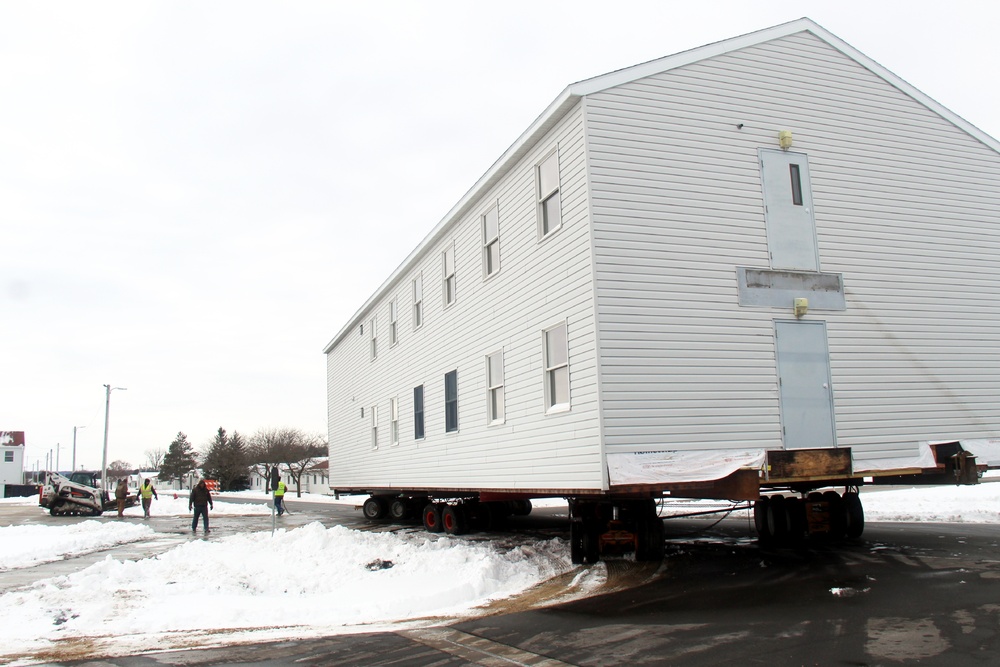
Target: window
[494, 380]
[451, 402]
[394, 420]
[374, 412]
[556, 369]
[418, 412]
[547, 178]
[393, 339]
[448, 264]
[8, 457]
[418, 302]
[491, 241]
[373, 338]
[793, 170]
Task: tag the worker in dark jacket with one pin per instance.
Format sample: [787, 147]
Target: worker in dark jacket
[121, 495]
[200, 500]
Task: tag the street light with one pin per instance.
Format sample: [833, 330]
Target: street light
[107, 410]
[74, 445]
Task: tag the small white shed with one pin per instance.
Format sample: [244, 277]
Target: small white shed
[11, 458]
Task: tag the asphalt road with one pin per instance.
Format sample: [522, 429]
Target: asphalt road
[903, 594]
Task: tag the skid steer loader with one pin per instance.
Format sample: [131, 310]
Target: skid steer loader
[76, 495]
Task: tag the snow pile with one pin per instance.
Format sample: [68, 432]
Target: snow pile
[25, 546]
[945, 504]
[314, 577]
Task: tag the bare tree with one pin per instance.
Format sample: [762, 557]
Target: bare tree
[154, 458]
[302, 456]
[265, 449]
[285, 448]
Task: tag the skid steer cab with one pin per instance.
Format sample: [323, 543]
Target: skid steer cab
[76, 495]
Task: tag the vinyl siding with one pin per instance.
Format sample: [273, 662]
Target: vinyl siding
[907, 208]
[540, 284]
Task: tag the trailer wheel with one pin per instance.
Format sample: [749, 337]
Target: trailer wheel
[591, 543]
[432, 518]
[650, 544]
[375, 508]
[777, 519]
[855, 514]
[760, 508]
[797, 526]
[838, 515]
[576, 552]
[399, 509]
[453, 520]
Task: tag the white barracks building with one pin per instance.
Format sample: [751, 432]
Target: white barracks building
[764, 265]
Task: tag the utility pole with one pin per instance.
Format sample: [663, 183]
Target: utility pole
[74, 445]
[107, 411]
[57, 457]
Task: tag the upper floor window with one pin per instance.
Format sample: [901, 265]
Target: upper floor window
[418, 412]
[556, 352]
[393, 329]
[491, 241]
[547, 184]
[418, 301]
[494, 381]
[374, 412]
[394, 421]
[373, 338]
[448, 265]
[451, 401]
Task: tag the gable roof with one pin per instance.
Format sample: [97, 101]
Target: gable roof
[572, 94]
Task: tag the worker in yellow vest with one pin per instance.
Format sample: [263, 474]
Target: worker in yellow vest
[279, 497]
[147, 493]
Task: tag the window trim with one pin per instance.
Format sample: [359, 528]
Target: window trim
[393, 421]
[490, 241]
[418, 301]
[447, 401]
[418, 415]
[541, 197]
[393, 323]
[373, 338]
[449, 283]
[374, 426]
[491, 418]
[547, 372]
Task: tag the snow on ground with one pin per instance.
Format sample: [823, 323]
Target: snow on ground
[307, 581]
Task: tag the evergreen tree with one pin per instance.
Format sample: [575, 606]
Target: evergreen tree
[226, 460]
[179, 460]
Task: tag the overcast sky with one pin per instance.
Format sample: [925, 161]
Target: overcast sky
[196, 197]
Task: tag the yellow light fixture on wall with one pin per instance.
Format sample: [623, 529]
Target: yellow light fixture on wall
[785, 139]
[801, 306]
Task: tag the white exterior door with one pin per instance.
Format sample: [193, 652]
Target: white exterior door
[788, 210]
[806, 393]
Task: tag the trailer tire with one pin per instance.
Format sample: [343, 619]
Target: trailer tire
[453, 520]
[399, 509]
[576, 551]
[797, 522]
[855, 514]
[777, 519]
[520, 507]
[375, 508]
[838, 514]
[760, 508]
[591, 544]
[431, 517]
[650, 544]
